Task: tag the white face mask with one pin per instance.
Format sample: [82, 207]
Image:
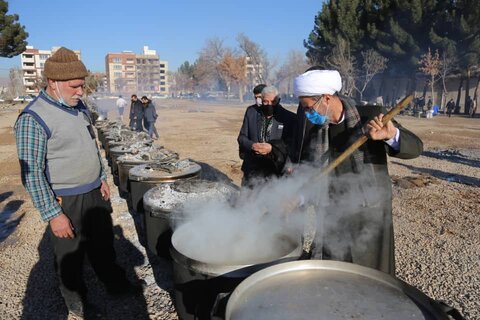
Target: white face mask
[258, 101]
[59, 96]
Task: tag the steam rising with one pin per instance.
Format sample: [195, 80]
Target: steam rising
[268, 222]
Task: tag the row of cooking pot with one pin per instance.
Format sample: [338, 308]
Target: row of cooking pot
[278, 288]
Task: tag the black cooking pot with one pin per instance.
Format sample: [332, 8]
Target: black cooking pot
[202, 287]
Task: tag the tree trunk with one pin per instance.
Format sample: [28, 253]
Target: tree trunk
[459, 95]
[466, 104]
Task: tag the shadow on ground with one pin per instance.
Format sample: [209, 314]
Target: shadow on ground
[447, 176]
[9, 219]
[452, 156]
[42, 298]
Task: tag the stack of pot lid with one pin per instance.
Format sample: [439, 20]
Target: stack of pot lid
[170, 197]
[131, 148]
[166, 169]
[149, 154]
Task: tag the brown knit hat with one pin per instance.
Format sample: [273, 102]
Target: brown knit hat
[64, 65]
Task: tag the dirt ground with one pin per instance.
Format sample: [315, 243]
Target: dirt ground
[207, 132]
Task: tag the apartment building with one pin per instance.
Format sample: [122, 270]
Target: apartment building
[33, 61]
[143, 73]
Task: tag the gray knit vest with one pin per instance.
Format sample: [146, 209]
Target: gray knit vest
[72, 160]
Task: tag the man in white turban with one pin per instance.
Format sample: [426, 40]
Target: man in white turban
[358, 212]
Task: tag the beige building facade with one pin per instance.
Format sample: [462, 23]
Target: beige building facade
[32, 66]
[143, 74]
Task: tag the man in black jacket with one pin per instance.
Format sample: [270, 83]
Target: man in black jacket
[136, 114]
[265, 138]
[356, 218]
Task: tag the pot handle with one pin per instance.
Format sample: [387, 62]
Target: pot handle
[451, 311]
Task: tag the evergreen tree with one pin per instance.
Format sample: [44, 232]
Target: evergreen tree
[12, 34]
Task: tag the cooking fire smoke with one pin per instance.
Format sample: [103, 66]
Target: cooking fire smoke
[268, 222]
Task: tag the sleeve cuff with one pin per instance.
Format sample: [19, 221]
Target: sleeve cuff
[394, 143]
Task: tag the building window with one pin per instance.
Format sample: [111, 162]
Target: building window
[116, 60]
[44, 56]
[162, 77]
[162, 89]
[117, 67]
[162, 83]
[117, 74]
[162, 65]
[162, 71]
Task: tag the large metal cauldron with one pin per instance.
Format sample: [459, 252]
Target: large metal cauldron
[125, 137]
[155, 154]
[164, 203]
[121, 150]
[330, 290]
[202, 288]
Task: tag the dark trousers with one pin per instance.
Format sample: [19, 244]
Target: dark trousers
[90, 216]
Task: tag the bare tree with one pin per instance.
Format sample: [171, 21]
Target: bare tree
[448, 64]
[430, 66]
[373, 63]
[206, 67]
[15, 85]
[233, 71]
[257, 60]
[295, 64]
[342, 59]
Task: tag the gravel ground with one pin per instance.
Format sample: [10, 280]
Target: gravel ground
[436, 208]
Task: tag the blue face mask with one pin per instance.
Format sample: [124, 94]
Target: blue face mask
[316, 118]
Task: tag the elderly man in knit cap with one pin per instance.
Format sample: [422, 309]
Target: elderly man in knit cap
[62, 171]
[356, 217]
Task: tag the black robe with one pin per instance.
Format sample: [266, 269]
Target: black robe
[367, 233]
[281, 138]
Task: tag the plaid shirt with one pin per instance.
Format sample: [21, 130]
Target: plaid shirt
[31, 141]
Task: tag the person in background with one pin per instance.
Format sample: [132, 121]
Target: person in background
[120, 103]
[450, 107]
[150, 117]
[136, 114]
[265, 138]
[358, 202]
[61, 169]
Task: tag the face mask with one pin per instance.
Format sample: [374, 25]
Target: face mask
[59, 96]
[258, 101]
[316, 118]
[267, 110]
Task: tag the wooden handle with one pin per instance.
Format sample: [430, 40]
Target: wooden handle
[389, 116]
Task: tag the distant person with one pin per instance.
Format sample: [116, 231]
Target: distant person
[136, 114]
[329, 123]
[121, 104]
[450, 107]
[62, 170]
[468, 105]
[150, 116]
[473, 108]
[429, 103]
[257, 94]
[265, 138]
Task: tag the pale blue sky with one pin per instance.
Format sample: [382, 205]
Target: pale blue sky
[177, 29]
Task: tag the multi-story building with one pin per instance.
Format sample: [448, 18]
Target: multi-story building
[143, 73]
[33, 61]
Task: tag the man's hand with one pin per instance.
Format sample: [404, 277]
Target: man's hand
[375, 129]
[105, 190]
[62, 227]
[262, 148]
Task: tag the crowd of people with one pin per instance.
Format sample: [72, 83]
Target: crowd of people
[142, 116]
[73, 197]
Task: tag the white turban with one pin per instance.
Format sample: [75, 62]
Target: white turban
[317, 82]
